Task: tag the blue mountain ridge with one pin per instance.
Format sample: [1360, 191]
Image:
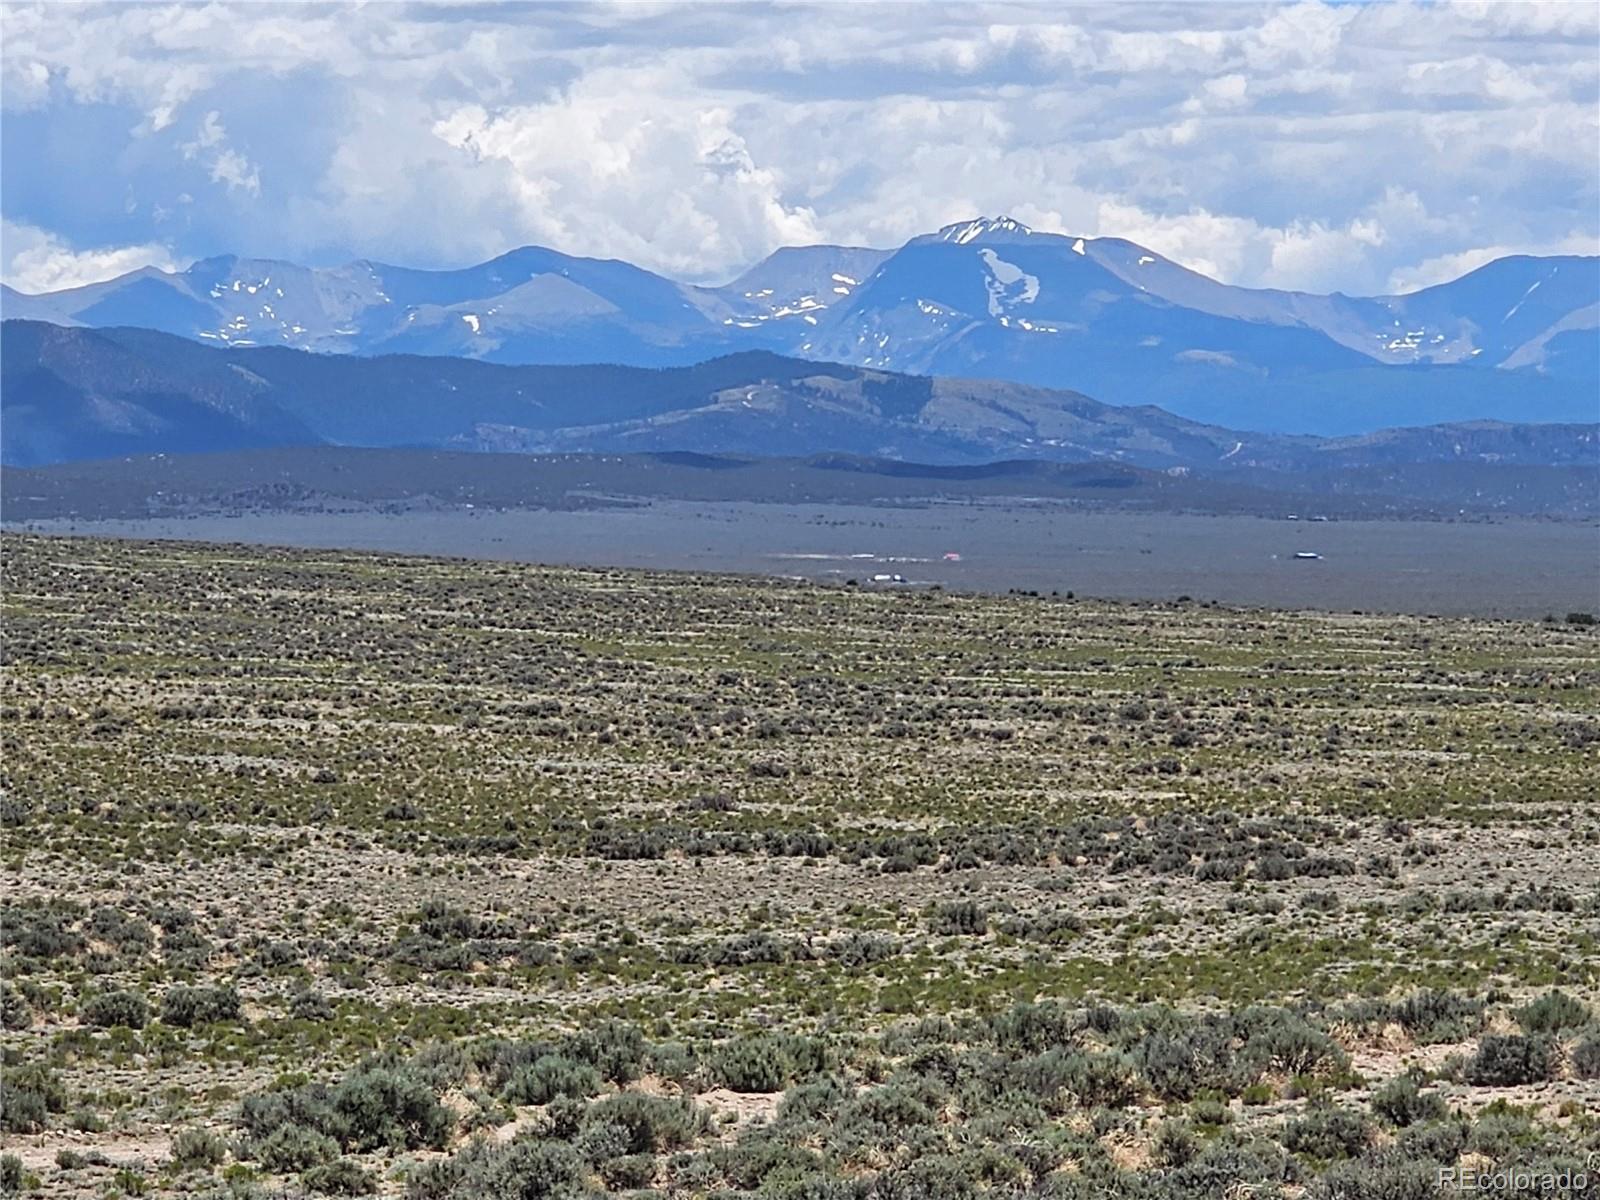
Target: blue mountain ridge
[1515, 340]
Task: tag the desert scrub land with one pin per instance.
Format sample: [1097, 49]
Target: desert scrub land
[347, 874]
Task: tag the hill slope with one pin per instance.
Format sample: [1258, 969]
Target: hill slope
[73, 393]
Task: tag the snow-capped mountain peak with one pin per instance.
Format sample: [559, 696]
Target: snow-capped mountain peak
[963, 232]
[987, 297]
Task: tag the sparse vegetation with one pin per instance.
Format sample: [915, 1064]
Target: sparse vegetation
[342, 874]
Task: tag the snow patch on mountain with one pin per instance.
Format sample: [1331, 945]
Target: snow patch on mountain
[1110, 316]
[1008, 283]
[966, 231]
[1512, 311]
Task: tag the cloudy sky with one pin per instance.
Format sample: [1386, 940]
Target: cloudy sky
[1360, 148]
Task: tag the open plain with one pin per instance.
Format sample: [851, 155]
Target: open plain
[1502, 567]
[335, 872]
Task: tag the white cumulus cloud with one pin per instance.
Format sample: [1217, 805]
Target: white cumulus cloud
[226, 164]
[1304, 145]
[33, 260]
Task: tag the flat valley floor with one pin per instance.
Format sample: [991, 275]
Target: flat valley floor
[337, 873]
[1510, 567]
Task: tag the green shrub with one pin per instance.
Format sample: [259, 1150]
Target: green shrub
[1506, 1061]
[1501, 1130]
[1586, 1059]
[108, 1010]
[342, 1177]
[753, 1162]
[382, 1106]
[813, 1101]
[675, 1061]
[614, 1048]
[1440, 1141]
[15, 1011]
[650, 1124]
[1046, 1078]
[1276, 1039]
[628, 1171]
[601, 1141]
[21, 1110]
[291, 1148]
[526, 1169]
[1102, 1080]
[564, 1115]
[1210, 1111]
[185, 1007]
[751, 1065]
[1328, 1133]
[1433, 1016]
[307, 1005]
[372, 1107]
[1273, 867]
[296, 1108]
[1228, 1166]
[1402, 1103]
[130, 934]
[1177, 1065]
[40, 933]
[859, 949]
[1174, 1144]
[198, 1148]
[1552, 1013]
[29, 1095]
[542, 1080]
[960, 918]
[1034, 1028]
[768, 1063]
[926, 1178]
[1390, 1178]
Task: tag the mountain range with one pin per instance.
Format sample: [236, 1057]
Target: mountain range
[70, 394]
[1516, 340]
